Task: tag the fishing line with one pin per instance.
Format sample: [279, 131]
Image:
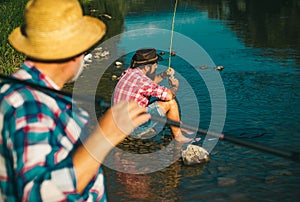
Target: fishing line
[295, 156]
[172, 33]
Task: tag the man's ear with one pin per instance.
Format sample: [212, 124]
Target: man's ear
[147, 68]
[76, 58]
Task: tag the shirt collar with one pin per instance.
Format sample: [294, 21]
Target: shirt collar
[137, 70]
[33, 74]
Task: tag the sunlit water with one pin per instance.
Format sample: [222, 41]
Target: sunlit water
[262, 105]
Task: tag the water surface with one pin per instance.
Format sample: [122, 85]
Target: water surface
[258, 43]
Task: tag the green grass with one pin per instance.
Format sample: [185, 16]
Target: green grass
[11, 16]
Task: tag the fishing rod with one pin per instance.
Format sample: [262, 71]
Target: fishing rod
[172, 33]
[45, 89]
[295, 156]
[171, 43]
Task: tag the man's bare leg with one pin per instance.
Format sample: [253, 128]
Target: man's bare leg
[170, 108]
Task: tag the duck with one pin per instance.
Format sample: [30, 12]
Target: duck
[219, 68]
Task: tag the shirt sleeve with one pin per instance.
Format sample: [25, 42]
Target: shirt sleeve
[151, 88]
[42, 155]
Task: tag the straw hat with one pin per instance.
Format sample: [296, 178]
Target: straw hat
[145, 56]
[55, 30]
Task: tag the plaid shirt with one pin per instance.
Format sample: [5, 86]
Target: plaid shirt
[39, 132]
[135, 86]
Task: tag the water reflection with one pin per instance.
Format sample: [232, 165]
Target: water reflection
[139, 187]
[259, 23]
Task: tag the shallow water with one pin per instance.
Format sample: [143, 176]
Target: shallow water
[258, 44]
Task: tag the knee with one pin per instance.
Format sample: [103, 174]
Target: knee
[173, 104]
[167, 105]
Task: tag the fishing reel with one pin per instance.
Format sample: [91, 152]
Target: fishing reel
[170, 73]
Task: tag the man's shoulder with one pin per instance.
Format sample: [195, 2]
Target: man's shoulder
[18, 95]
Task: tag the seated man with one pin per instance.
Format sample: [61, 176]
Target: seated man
[140, 83]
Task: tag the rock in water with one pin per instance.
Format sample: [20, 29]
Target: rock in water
[114, 77]
[194, 154]
[118, 64]
[88, 57]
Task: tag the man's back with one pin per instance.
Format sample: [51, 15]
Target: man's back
[135, 86]
[38, 132]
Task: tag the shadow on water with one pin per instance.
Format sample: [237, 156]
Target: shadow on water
[259, 44]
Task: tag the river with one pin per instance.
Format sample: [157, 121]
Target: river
[254, 98]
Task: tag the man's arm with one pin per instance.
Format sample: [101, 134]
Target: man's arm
[173, 89]
[41, 180]
[114, 126]
[163, 75]
[160, 77]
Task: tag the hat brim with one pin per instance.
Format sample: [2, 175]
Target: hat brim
[159, 58]
[153, 60]
[67, 45]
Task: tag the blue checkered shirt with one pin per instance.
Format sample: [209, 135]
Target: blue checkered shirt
[39, 132]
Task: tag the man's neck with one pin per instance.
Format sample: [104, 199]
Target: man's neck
[54, 71]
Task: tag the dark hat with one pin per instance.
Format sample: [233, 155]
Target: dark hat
[145, 56]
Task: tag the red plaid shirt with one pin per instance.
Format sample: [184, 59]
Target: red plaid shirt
[135, 86]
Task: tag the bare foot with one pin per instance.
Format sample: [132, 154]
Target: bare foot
[183, 139]
[186, 131]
